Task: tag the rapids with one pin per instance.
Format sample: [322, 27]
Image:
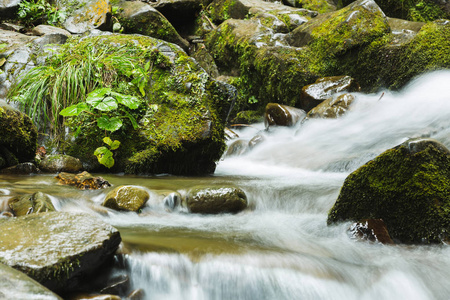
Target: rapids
[280, 248]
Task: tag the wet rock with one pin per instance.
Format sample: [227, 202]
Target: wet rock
[41, 30]
[282, 115]
[93, 297]
[172, 201]
[17, 285]
[20, 169]
[314, 94]
[83, 180]
[398, 25]
[18, 135]
[208, 200]
[125, 197]
[137, 295]
[93, 14]
[406, 186]
[140, 17]
[237, 148]
[332, 107]
[57, 249]
[373, 230]
[29, 204]
[205, 59]
[60, 163]
[321, 6]
[117, 285]
[256, 140]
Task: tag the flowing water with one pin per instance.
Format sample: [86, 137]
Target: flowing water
[281, 247]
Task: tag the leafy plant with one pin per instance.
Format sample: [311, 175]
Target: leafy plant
[34, 12]
[103, 105]
[105, 155]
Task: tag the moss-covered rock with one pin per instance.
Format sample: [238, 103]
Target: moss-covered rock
[207, 200]
[87, 15]
[29, 204]
[413, 10]
[18, 135]
[57, 249]
[129, 198]
[407, 186]
[140, 17]
[321, 6]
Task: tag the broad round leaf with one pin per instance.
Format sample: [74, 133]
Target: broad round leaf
[115, 145]
[74, 110]
[110, 124]
[107, 103]
[131, 102]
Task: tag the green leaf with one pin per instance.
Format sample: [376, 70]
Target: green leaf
[99, 93]
[107, 161]
[107, 141]
[132, 120]
[104, 156]
[131, 102]
[104, 104]
[101, 151]
[110, 124]
[74, 110]
[115, 145]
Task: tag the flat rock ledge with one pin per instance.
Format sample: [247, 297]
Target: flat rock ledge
[57, 249]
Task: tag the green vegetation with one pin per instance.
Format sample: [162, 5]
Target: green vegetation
[35, 12]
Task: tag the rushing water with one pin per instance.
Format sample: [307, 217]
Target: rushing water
[281, 247]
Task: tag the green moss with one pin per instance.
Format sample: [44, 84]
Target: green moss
[219, 11]
[321, 6]
[409, 191]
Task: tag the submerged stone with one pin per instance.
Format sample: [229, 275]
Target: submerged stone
[28, 204]
[332, 107]
[206, 200]
[407, 186]
[129, 198]
[83, 180]
[57, 249]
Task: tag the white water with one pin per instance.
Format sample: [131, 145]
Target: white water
[282, 248]
[292, 180]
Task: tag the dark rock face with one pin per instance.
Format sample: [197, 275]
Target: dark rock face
[314, 94]
[407, 186]
[17, 285]
[373, 230]
[83, 181]
[282, 115]
[20, 169]
[206, 200]
[18, 136]
[57, 249]
[60, 163]
[129, 198]
[28, 204]
[8, 7]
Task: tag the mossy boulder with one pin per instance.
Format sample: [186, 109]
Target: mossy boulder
[18, 136]
[321, 6]
[333, 107]
[57, 249]
[60, 163]
[17, 285]
[408, 187]
[29, 204]
[140, 17]
[20, 169]
[83, 180]
[129, 198]
[215, 200]
[180, 122]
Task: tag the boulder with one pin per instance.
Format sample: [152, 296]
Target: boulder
[17, 285]
[140, 17]
[60, 163]
[282, 115]
[314, 94]
[126, 197]
[20, 169]
[29, 204]
[321, 6]
[83, 180]
[18, 135]
[406, 186]
[215, 200]
[57, 249]
[237, 148]
[41, 30]
[333, 107]
[91, 14]
[373, 230]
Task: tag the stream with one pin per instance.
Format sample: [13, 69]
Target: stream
[281, 246]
